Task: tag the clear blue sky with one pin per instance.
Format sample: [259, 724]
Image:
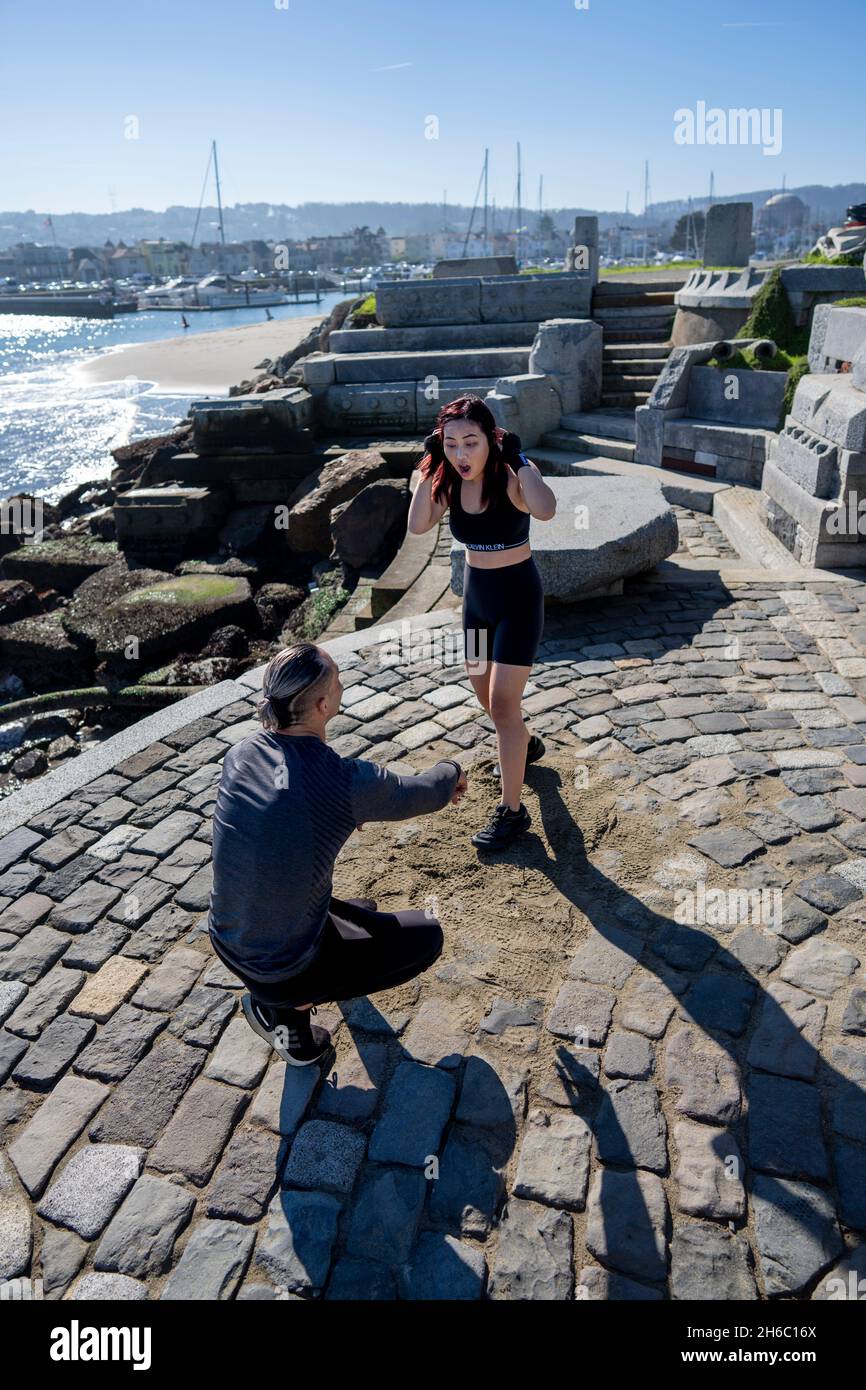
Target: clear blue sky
[327, 99]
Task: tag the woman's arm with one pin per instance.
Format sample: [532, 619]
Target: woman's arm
[539, 498]
[423, 511]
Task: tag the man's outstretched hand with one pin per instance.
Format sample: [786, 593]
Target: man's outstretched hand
[460, 790]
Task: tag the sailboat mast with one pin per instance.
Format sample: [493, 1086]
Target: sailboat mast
[219, 197]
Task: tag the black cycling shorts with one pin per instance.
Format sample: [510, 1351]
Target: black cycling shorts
[503, 613]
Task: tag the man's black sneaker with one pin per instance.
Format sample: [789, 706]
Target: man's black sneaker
[298, 1041]
[533, 753]
[503, 826]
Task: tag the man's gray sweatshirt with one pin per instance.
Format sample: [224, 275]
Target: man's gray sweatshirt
[286, 805]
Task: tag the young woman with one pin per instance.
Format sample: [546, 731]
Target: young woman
[478, 471]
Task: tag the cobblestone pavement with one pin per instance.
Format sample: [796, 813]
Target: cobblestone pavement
[700, 536]
[679, 1111]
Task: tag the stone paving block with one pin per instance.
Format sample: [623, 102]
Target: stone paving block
[795, 1231]
[163, 838]
[142, 1104]
[247, 1176]
[848, 1164]
[61, 1117]
[854, 1018]
[788, 1033]
[198, 1131]
[11, 1049]
[628, 1054]
[492, 1094]
[63, 846]
[241, 1056]
[466, 1194]
[325, 1156]
[719, 1001]
[799, 919]
[603, 1285]
[48, 1058]
[729, 846]
[165, 987]
[573, 1077]
[809, 812]
[140, 1237]
[202, 1016]
[437, 1035]
[628, 1222]
[16, 845]
[828, 892]
[283, 1097]
[582, 1013]
[647, 1006]
[853, 801]
[121, 1043]
[385, 1215]
[34, 955]
[630, 1128]
[785, 1128]
[352, 1087]
[553, 1166]
[213, 1262]
[16, 1236]
[533, 1260]
[82, 909]
[295, 1248]
[443, 1267]
[95, 947]
[22, 914]
[91, 1186]
[707, 1075]
[820, 966]
[62, 1256]
[606, 958]
[711, 1264]
[110, 987]
[113, 1288]
[417, 1105]
[43, 1002]
[11, 994]
[361, 1280]
[708, 1172]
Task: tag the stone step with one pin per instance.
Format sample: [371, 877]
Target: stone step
[431, 590]
[591, 444]
[635, 352]
[638, 337]
[681, 490]
[618, 284]
[737, 514]
[627, 381]
[428, 337]
[412, 559]
[623, 400]
[639, 315]
[367, 368]
[610, 424]
[636, 299]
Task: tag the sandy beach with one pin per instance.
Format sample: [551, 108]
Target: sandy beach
[208, 363]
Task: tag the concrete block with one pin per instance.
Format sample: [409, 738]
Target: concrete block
[527, 404]
[569, 353]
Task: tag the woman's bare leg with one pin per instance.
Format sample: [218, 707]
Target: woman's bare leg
[506, 692]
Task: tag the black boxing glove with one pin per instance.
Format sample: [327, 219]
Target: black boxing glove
[433, 446]
[512, 450]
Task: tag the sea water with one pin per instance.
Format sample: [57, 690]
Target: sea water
[55, 430]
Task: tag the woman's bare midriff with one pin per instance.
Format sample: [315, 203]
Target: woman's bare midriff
[497, 559]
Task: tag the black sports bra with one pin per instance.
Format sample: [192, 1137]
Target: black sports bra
[488, 530]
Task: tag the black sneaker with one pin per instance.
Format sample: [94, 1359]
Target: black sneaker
[504, 825]
[533, 753]
[298, 1041]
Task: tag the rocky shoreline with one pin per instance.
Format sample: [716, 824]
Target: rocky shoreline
[99, 625]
